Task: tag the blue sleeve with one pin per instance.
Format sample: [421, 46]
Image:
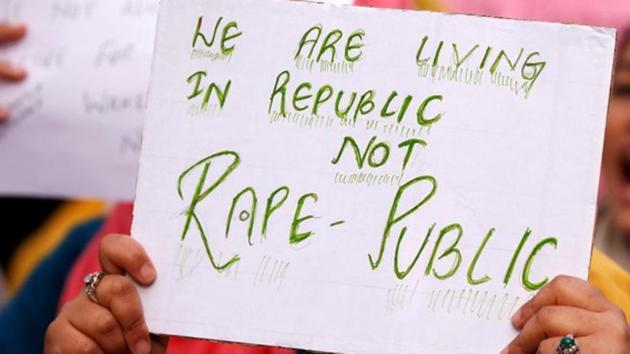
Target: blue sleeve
[24, 319]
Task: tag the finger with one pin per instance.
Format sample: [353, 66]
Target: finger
[566, 291]
[62, 337]
[118, 294]
[97, 323]
[9, 72]
[549, 345]
[586, 345]
[553, 321]
[11, 33]
[121, 254]
[4, 114]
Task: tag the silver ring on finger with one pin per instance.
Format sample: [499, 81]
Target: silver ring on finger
[567, 345]
[90, 282]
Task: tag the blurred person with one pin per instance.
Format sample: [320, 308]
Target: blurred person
[24, 214]
[613, 237]
[24, 318]
[39, 222]
[610, 271]
[36, 238]
[32, 229]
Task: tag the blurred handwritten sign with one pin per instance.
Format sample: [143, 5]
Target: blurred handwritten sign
[365, 181]
[76, 121]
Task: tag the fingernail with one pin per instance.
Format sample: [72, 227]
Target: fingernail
[142, 347]
[505, 351]
[516, 317]
[147, 272]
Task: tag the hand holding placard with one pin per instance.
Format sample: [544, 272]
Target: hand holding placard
[8, 34]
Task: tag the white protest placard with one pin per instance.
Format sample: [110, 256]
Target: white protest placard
[364, 181]
[76, 121]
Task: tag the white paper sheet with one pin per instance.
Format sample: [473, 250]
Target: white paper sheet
[76, 121]
[509, 156]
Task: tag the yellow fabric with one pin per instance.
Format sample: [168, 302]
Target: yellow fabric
[430, 5]
[47, 237]
[611, 280]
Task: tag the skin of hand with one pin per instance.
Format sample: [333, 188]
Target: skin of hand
[116, 323]
[9, 34]
[565, 306]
